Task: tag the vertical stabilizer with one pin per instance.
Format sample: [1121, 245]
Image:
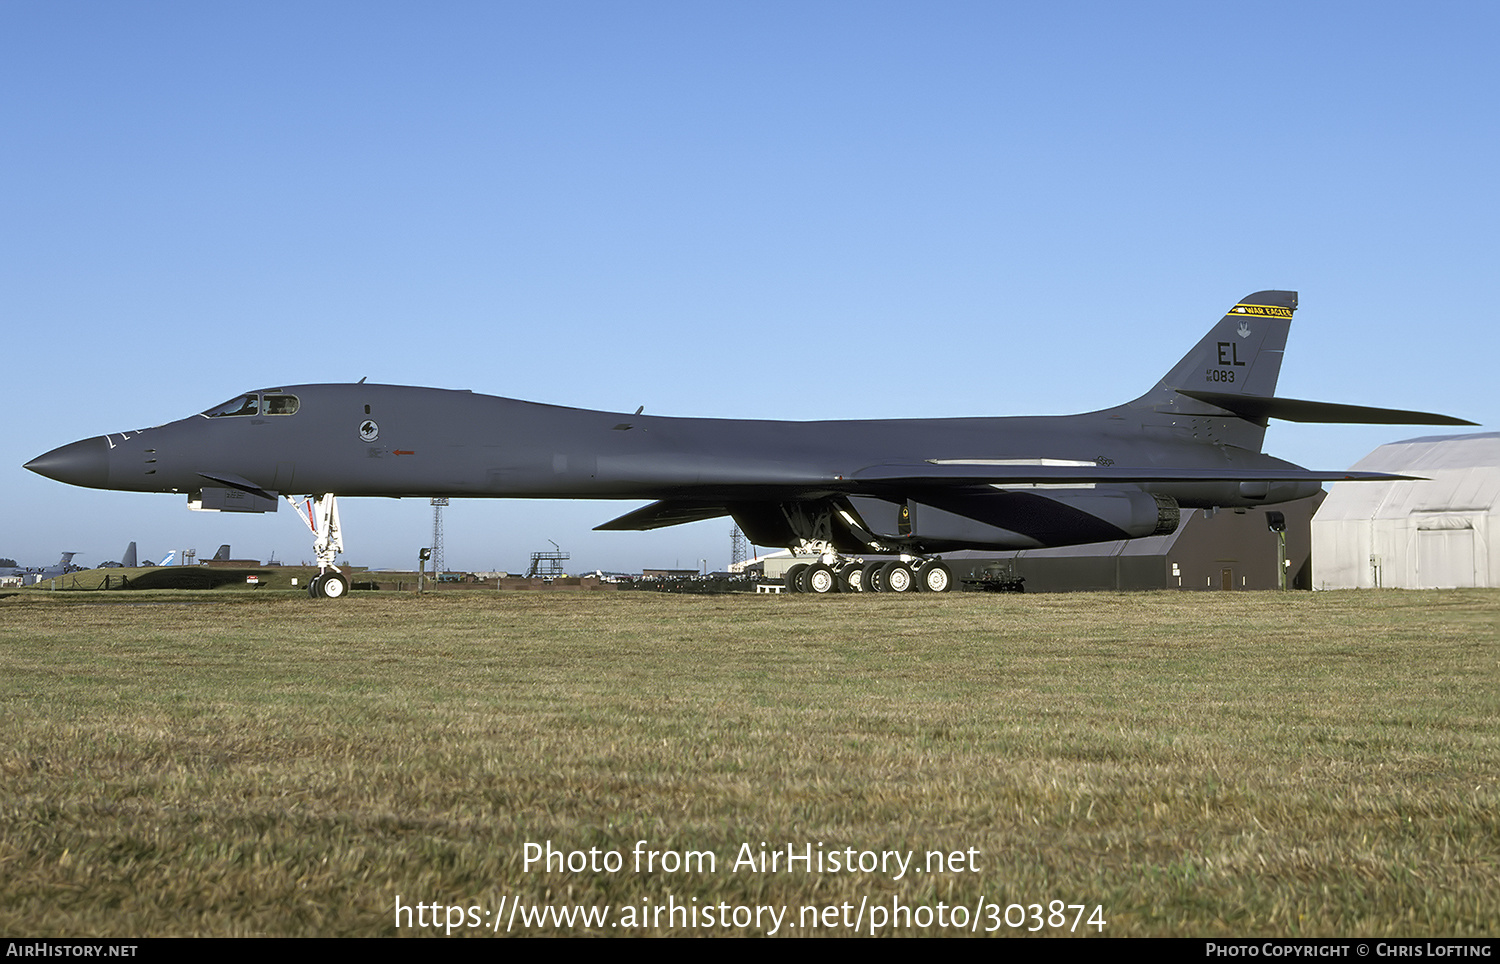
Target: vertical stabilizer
[1240, 355]
[128, 560]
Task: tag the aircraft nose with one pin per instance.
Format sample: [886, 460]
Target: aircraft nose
[83, 463]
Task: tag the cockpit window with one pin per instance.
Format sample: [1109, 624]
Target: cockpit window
[244, 405]
[255, 404]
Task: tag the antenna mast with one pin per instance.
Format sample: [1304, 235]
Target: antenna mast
[437, 536]
[737, 548]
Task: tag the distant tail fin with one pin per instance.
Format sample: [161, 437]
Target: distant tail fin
[1240, 355]
[128, 560]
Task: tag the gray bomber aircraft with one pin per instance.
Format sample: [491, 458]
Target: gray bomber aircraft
[904, 488]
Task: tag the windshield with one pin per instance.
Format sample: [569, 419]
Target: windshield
[256, 404]
[244, 405]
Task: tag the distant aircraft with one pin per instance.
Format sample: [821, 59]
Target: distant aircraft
[127, 561]
[63, 567]
[909, 488]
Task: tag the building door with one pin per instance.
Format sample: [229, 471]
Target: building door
[1445, 559]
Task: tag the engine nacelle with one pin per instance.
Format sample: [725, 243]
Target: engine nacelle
[1031, 518]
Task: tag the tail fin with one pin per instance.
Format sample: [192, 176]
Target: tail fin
[1224, 390]
[129, 559]
[1241, 355]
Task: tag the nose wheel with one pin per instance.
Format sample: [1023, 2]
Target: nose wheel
[328, 585]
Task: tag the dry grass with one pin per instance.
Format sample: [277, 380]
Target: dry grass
[1197, 764]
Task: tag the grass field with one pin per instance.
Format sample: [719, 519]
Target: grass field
[1252, 764]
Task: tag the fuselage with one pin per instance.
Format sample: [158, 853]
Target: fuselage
[396, 441]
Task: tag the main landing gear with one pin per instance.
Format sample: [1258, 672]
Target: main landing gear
[822, 527]
[849, 574]
[322, 517]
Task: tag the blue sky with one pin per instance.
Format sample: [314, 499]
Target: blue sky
[810, 210]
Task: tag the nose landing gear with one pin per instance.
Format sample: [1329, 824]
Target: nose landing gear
[322, 516]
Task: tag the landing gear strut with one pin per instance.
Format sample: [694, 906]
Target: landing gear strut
[322, 517]
[819, 525]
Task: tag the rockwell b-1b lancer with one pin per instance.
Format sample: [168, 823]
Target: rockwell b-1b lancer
[843, 490]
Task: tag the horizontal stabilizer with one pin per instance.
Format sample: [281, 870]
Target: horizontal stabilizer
[1258, 408]
[659, 515]
[979, 472]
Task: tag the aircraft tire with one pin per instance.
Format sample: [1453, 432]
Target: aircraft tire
[851, 578]
[935, 577]
[315, 587]
[789, 579]
[872, 578]
[820, 579]
[335, 586]
[897, 577]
